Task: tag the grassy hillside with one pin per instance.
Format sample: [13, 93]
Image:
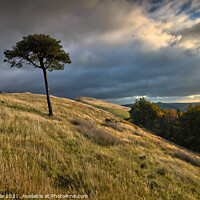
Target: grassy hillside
[85, 150]
[120, 111]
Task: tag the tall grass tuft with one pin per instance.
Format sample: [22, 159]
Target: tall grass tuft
[97, 135]
[186, 157]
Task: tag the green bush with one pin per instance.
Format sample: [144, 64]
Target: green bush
[182, 128]
[146, 114]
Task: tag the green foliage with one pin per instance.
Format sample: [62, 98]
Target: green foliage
[188, 129]
[146, 114]
[182, 128]
[178, 112]
[39, 50]
[167, 123]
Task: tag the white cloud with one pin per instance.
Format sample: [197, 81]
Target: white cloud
[133, 23]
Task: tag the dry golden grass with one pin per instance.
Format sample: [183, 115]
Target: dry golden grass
[97, 135]
[78, 152]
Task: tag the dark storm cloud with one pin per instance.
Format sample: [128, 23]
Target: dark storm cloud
[117, 51]
[191, 32]
[162, 74]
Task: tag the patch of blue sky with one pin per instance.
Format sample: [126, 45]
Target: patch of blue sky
[193, 13]
[155, 5]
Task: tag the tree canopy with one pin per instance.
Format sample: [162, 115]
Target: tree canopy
[182, 128]
[42, 52]
[38, 50]
[188, 132]
[145, 113]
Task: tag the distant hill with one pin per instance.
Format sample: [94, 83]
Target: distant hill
[182, 106]
[83, 150]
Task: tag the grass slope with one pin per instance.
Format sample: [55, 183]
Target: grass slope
[85, 150]
[118, 110]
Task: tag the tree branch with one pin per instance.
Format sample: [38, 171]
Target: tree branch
[33, 63]
[48, 65]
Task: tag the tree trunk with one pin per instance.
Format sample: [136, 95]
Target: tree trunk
[47, 92]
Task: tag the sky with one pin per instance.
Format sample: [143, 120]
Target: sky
[120, 50]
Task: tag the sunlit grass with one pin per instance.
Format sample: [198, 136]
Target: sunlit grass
[78, 152]
[118, 110]
[120, 113]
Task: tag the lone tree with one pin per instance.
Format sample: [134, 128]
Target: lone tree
[42, 52]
